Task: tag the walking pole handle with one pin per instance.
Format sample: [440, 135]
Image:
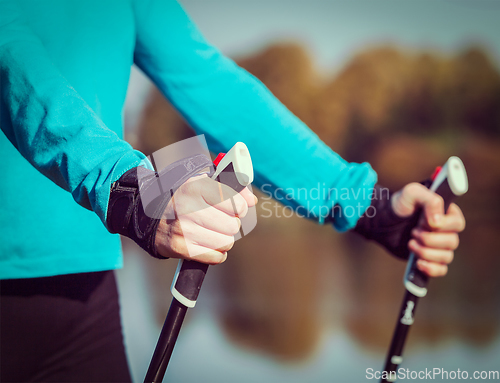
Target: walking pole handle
[449, 182]
[235, 170]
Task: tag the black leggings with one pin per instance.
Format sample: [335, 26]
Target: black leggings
[62, 329]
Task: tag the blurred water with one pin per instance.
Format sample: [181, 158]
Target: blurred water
[203, 352]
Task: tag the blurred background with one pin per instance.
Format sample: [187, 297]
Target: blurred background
[400, 84]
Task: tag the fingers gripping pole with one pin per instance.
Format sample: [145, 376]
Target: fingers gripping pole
[235, 170]
[450, 182]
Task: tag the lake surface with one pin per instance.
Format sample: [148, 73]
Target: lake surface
[204, 353]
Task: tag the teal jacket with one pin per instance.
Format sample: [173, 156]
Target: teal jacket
[64, 70]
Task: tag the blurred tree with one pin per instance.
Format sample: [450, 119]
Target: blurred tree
[405, 113]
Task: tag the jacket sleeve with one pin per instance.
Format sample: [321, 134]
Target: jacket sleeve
[227, 104]
[50, 124]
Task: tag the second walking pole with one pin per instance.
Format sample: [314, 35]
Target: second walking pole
[449, 182]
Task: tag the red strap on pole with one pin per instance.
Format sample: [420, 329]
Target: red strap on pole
[434, 175]
[219, 158]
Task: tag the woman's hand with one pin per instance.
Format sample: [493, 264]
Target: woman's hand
[436, 236]
[205, 221]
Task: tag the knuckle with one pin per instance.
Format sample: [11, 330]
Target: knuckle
[240, 205]
[412, 188]
[183, 189]
[229, 244]
[220, 257]
[445, 257]
[432, 273]
[180, 205]
[430, 270]
[190, 187]
[443, 271]
[217, 260]
[437, 200]
[438, 271]
[462, 224]
[449, 257]
[424, 254]
[425, 237]
[234, 226]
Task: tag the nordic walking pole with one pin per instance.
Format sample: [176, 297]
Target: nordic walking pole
[235, 170]
[449, 182]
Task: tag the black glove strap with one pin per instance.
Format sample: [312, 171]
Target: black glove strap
[139, 197]
[382, 225]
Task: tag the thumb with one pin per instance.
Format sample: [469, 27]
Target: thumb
[414, 196]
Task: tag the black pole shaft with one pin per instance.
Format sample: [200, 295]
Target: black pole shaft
[166, 342]
[190, 275]
[395, 354]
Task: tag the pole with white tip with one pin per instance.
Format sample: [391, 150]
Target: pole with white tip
[450, 182]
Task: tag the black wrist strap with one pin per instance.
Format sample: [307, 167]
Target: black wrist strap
[139, 197]
[382, 225]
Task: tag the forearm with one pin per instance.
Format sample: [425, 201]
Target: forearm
[292, 163]
[381, 224]
[227, 104]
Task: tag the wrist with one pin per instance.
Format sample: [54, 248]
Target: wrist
[385, 226]
[138, 199]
